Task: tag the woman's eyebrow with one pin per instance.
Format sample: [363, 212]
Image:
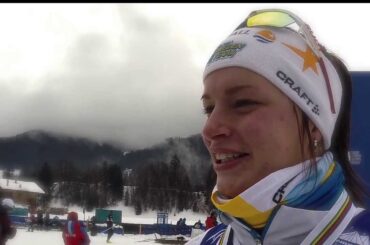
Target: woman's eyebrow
[235, 89]
[229, 91]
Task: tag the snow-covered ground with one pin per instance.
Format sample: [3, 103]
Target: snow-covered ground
[24, 237]
[148, 217]
[52, 237]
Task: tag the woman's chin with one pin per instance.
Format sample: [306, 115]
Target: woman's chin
[229, 190]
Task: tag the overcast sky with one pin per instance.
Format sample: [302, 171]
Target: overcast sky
[131, 73]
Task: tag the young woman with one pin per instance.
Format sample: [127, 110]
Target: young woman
[278, 107]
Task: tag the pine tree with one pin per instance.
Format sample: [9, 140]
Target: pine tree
[127, 197]
[115, 182]
[137, 202]
[104, 189]
[45, 177]
[174, 172]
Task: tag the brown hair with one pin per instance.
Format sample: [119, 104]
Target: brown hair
[341, 135]
[340, 141]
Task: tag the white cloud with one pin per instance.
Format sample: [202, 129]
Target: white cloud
[132, 72]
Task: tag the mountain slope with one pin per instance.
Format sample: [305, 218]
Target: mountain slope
[36, 147]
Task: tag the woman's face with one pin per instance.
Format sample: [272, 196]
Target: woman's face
[251, 131]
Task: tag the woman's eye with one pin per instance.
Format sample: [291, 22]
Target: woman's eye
[242, 103]
[208, 109]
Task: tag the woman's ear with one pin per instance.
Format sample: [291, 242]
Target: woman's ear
[316, 136]
[315, 132]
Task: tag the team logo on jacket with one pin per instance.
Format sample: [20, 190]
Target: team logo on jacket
[265, 36]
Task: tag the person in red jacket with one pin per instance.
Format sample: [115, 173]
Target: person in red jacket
[211, 220]
[74, 233]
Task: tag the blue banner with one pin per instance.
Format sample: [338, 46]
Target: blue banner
[360, 127]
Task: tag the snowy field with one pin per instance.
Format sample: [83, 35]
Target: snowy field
[24, 237]
[148, 217]
[53, 237]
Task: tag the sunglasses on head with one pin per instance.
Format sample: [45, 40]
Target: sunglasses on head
[283, 18]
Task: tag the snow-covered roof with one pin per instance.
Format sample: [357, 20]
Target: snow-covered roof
[11, 184]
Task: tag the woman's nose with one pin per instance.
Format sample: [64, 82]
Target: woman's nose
[216, 126]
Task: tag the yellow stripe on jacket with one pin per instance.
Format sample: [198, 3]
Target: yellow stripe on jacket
[238, 207]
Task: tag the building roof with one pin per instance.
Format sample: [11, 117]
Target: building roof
[18, 185]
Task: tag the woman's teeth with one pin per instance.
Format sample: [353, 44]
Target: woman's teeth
[221, 158]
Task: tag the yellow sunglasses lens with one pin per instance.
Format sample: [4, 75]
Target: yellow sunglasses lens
[277, 19]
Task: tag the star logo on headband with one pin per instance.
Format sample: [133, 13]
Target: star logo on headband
[308, 56]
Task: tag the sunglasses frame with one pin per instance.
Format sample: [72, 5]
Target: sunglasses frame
[307, 34]
[304, 29]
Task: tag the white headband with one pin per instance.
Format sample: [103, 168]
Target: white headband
[284, 58]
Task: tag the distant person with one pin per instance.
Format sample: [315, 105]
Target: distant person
[178, 223]
[40, 219]
[110, 230]
[198, 229]
[31, 222]
[7, 231]
[55, 222]
[198, 225]
[47, 221]
[183, 223]
[74, 232]
[178, 226]
[211, 220]
[182, 227]
[93, 227]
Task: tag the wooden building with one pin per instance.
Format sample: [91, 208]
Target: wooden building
[22, 192]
